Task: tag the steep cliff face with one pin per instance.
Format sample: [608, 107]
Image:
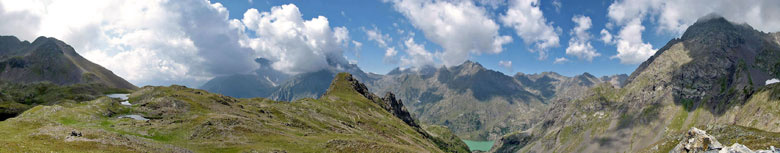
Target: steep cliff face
[49, 59]
[713, 74]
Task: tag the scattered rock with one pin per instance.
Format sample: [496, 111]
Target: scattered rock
[699, 141]
[75, 134]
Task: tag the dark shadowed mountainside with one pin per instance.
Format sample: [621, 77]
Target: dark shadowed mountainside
[49, 59]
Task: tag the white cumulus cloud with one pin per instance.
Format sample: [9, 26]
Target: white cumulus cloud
[293, 44]
[560, 60]
[154, 42]
[606, 37]
[530, 24]
[376, 35]
[416, 55]
[507, 65]
[461, 28]
[631, 49]
[389, 57]
[579, 44]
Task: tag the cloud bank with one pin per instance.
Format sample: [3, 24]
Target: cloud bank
[293, 44]
[461, 28]
[579, 44]
[151, 42]
[160, 42]
[528, 21]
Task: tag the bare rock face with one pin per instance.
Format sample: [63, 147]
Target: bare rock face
[512, 142]
[396, 107]
[698, 141]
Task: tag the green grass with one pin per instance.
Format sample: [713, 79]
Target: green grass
[679, 120]
[479, 145]
[195, 120]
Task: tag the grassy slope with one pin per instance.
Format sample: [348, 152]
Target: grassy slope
[186, 119]
[16, 98]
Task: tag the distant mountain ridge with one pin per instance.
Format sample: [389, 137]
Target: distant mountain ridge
[435, 95]
[261, 83]
[49, 59]
[478, 103]
[269, 83]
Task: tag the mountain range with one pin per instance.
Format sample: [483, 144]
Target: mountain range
[704, 91]
[713, 74]
[475, 102]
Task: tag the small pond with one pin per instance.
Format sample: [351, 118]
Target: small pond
[135, 117]
[122, 97]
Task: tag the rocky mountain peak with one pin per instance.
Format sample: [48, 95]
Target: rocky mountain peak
[714, 28]
[49, 59]
[586, 75]
[395, 71]
[551, 74]
[48, 45]
[472, 64]
[10, 43]
[263, 62]
[468, 67]
[344, 82]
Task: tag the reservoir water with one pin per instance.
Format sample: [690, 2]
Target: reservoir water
[479, 145]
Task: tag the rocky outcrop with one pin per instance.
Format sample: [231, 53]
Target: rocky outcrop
[345, 82]
[615, 80]
[396, 107]
[697, 140]
[389, 103]
[511, 142]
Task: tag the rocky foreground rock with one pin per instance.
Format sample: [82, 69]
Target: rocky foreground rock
[697, 140]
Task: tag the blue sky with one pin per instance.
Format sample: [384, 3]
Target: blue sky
[356, 15]
[188, 42]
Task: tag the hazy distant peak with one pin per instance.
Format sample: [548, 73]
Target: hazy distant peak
[469, 63]
[586, 74]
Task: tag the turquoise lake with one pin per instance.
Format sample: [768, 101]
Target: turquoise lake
[479, 145]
